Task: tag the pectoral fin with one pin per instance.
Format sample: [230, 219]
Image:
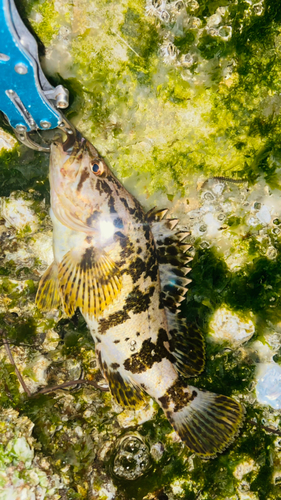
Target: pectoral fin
[48, 295]
[90, 281]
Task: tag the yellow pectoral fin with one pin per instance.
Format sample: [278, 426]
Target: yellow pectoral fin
[90, 281]
[48, 295]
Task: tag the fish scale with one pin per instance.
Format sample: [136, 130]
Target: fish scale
[126, 271]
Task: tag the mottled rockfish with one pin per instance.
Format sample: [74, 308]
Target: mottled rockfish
[126, 271]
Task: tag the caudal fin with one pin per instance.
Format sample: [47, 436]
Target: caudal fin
[206, 422]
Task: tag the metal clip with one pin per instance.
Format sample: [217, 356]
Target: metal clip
[23, 135]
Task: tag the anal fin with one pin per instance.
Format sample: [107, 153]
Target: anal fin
[48, 295]
[124, 391]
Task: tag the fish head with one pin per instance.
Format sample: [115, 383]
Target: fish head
[81, 184]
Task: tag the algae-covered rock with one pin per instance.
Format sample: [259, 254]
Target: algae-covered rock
[22, 473]
[182, 98]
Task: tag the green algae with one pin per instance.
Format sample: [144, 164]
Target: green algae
[249, 289]
[23, 169]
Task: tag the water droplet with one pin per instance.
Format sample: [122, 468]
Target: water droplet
[218, 188]
[277, 479]
[276, 230]
[169, 50]
[276, 222]
[271, 253]
[203, 228]
[225, 32]
[221, 217]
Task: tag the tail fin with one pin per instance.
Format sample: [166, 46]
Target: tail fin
[206, 422]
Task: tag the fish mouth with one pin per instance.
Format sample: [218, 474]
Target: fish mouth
[73, 141]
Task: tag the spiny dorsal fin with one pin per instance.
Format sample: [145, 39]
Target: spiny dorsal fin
[171, 249]
[155, 215]
[48, 295]
[90, 281]
[187, 343]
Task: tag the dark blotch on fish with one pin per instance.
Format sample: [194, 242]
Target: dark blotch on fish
[136, 211]
[136, 301]
[149, 354]
[178, 396]
[93, 217]
[118, 223]
[85, 174]
[111, 204]
[103, 187]
[113, 320]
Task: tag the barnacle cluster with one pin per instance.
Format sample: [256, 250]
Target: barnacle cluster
[195, 40]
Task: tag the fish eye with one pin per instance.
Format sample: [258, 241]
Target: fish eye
[97, 167]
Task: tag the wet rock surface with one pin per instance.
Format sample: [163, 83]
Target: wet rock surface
[183, 100]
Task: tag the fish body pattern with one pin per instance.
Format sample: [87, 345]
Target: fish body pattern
[125, 269]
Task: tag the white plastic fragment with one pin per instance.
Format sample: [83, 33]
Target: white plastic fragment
[264, 215]
[268, 388]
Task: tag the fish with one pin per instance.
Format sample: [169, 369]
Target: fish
[126, 270]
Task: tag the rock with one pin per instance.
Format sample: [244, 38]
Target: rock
[244, 468]
[18, 213]
[21, 473]
[228, 326]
